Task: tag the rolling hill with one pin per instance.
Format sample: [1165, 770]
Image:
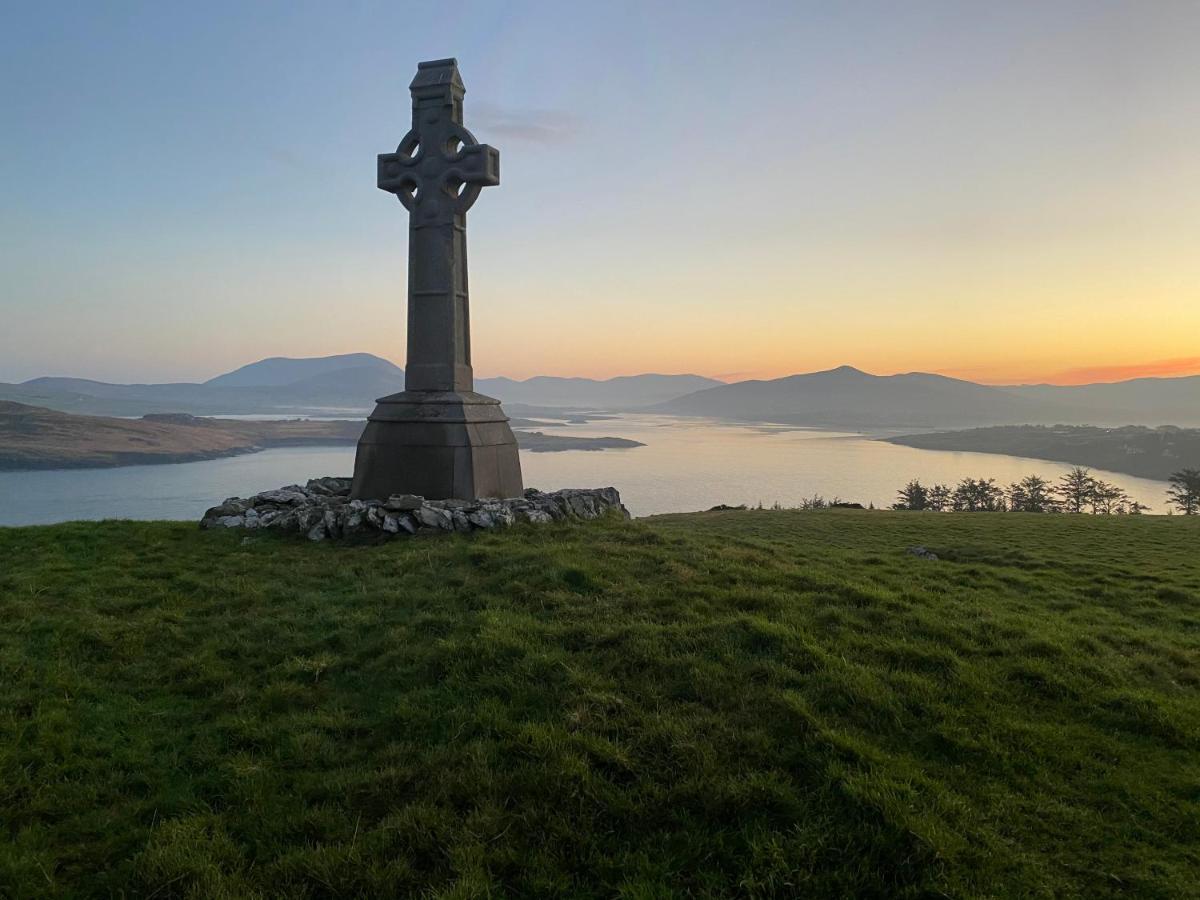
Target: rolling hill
[1133, 449]
[281, 370]
[848, 397]
[1162, 400]
[727, 704]
[622, 392]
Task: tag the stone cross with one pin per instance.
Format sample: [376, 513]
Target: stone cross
[438, 438]
[437, 173]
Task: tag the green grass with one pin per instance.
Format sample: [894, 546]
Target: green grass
[731, 704]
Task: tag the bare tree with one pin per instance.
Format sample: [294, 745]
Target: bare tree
[1184, 493]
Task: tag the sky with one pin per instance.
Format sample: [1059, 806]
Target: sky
[1005, 192]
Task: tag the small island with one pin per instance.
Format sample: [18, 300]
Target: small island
[537, 442]
[32, 437]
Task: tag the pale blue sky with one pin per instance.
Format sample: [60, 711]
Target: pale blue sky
[723, 188]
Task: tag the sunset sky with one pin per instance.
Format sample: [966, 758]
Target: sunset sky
[1004, 192]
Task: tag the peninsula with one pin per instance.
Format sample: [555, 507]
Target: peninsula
[32, 437]
[1133, 450]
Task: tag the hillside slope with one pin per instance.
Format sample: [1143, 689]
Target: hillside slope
[35, 438]
[847, 396]
[280, 370]
[1135, 450]
[745, 703]
[622, 392]
[1160, 401]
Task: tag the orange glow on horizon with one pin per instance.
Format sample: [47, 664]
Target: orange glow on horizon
[1166, 368]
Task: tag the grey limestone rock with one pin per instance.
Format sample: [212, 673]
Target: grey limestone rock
[290, 494]
[321, 514]
[404, 502]
[328, 486]
[434, 517]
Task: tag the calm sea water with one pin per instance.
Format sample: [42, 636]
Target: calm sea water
[686, 465]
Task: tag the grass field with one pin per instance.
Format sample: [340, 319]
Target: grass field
[772, 704]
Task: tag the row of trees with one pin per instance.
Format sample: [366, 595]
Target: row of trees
[1076, 492]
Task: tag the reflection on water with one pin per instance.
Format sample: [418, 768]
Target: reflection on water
[687, 464]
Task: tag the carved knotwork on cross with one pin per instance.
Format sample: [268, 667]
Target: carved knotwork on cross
[439, 167]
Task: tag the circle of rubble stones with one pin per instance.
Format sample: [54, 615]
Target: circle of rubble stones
[323, 508]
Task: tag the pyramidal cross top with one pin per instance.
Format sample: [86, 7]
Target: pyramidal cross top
[438, 438]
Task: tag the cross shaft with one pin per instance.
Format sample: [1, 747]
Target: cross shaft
[438, 438]
[437, 172]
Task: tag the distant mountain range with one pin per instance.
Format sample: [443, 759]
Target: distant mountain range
[848, 397]
[842, 397]
[331, 384]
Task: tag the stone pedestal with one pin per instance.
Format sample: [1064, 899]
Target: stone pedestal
[437, 444]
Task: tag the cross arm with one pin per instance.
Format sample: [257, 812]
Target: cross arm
[396, 171]
[476, 164]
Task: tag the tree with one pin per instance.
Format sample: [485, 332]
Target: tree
[1032, 494]
[912, 496]
[983, 495]
[938, 498]
[1184, 493]
[1075, 489]
[1107, 499]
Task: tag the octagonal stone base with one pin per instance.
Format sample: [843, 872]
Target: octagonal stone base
[438, 445]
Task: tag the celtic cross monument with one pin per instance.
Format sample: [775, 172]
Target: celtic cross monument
[438, 438]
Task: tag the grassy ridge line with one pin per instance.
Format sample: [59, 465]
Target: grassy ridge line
[757, 703]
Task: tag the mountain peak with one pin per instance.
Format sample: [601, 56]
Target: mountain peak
[276, 371]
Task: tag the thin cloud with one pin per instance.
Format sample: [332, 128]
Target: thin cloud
[287, 158]
[534, 126]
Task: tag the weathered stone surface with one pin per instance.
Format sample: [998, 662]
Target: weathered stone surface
[329, 486]
[325, 510]
[404, 502]
[923, 553]
[291, 494]
[433, 517]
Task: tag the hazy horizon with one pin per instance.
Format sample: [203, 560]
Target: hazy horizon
[1117, 377]
[1007, 194]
